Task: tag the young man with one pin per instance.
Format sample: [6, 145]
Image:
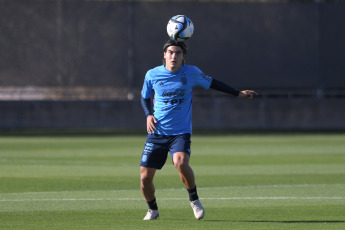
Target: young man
[169, 127]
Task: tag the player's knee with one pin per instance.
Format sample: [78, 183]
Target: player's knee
[145, 180]
[181, 162]
[146, 175]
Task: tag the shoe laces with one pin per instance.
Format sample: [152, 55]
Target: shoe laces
[151, 211]
[196, 206]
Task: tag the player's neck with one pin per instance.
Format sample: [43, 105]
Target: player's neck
[173, 69]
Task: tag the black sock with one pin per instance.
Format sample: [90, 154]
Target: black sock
[193, 195]
[152, 204]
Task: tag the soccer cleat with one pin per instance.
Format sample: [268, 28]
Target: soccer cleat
[151, 215]
[199, 211]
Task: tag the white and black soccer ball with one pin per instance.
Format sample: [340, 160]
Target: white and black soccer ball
[180, 28]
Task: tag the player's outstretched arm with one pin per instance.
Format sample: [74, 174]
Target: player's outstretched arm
[221, 86]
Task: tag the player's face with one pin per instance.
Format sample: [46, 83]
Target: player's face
[173, 58]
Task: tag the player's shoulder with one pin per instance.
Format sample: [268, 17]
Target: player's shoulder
[191, 68]
[197, 74]
[154, 71]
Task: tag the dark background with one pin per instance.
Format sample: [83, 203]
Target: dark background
[280, 48]
[86, 43]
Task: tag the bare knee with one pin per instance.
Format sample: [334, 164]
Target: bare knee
[181, 160]
[145, 180]
[146, 176]
[180, 164]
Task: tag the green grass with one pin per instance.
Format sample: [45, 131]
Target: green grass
[254, 181]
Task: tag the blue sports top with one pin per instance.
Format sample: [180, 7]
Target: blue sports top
[173, 97]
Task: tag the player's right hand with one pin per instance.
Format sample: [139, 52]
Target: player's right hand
[247, 94]
[150, 124]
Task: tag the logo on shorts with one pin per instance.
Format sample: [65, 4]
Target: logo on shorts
[147, 149]
[144, 158]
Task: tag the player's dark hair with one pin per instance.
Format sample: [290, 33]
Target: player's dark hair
[171, 42]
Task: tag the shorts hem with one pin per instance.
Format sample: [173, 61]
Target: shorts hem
[150, 166]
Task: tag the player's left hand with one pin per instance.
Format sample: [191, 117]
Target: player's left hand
[247, 94]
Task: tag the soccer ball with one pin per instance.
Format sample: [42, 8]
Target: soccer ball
[180, 28]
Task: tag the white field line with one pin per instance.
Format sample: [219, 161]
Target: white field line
[214, 198]
[183, 189]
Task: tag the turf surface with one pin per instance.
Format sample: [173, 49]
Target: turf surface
[254, 181]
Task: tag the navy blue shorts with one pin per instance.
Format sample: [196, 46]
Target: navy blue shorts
[157, 147]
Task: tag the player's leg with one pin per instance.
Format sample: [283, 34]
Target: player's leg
[181, 162]
[180, 153]
[146, 183]
[148, 189]
[153, 158]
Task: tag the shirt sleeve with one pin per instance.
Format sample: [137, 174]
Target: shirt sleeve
[146, 105]
[147, 87]
[220, 86]
[202, 79]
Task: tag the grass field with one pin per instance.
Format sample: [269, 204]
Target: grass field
[253, 181]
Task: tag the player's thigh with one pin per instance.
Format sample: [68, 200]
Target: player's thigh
[180, 144]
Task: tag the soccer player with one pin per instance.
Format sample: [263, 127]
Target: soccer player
[169, 127]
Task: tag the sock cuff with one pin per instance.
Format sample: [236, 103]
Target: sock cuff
[193, 194]
[152, 204]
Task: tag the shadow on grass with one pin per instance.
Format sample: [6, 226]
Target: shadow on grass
[280, 221]
[297, 221]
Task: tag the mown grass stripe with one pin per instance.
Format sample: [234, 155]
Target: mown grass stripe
[208, 198]
[183, 189]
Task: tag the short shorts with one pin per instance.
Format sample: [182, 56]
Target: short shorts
[157, 147]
